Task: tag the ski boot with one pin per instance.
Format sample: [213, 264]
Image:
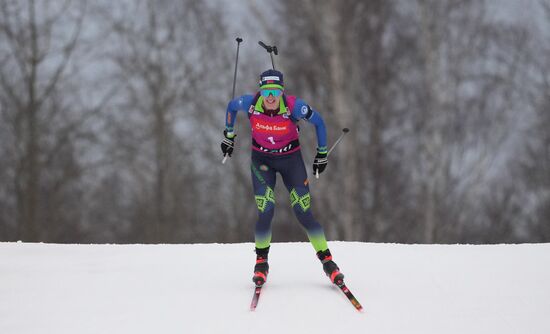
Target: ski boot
[261, 268]
[330, 268]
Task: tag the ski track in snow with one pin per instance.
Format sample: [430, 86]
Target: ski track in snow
[207, 288]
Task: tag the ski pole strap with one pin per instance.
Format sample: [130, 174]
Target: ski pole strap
[322, 149]
[228, 142]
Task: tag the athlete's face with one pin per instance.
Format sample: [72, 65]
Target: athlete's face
[271, 98]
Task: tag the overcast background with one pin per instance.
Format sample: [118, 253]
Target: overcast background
[112, 115]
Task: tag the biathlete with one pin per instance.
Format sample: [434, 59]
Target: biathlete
[273, 117]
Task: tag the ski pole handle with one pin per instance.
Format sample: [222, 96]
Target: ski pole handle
[271, 49]
[266, 47]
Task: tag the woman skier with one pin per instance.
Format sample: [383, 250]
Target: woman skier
[275, 148]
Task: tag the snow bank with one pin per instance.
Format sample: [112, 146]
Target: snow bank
[207, 288]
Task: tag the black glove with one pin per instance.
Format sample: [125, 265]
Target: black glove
[228, 143]
[320, 162]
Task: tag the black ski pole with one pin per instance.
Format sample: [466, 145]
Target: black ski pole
[344, 132]
[270, 49]
[239, 40]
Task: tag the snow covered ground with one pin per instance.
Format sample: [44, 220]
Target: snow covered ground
[207, 288]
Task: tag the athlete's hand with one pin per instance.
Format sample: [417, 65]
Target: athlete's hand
[228, 143]
[320, 162]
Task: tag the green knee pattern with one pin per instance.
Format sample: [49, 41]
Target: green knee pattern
[304, 201]
[263, 200]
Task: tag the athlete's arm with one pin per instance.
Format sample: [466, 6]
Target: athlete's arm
[241, 103]
[302, 110]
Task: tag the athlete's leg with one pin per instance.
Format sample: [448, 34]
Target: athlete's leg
[295, 178]
[263, 181]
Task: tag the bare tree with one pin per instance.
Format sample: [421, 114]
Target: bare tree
[347, 59]
[116, 138]
[159, 61]
[320, 60]
[38, 42]
[462, 118]
[531, 168]
[428, 87]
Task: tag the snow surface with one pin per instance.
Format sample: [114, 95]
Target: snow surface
[207, 288]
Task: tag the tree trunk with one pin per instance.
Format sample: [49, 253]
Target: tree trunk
[343, 107]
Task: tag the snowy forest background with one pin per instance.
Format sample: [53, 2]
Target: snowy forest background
[111, 116]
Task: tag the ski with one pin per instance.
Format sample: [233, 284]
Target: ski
[350, 296]
[342, 286]
[255, 298]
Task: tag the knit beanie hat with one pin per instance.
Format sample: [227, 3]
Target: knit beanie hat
[271, 79]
